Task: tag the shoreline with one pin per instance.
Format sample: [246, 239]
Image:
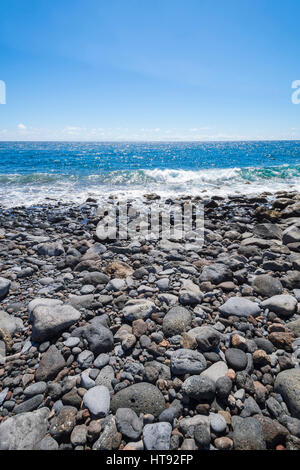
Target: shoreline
[151, 344]
[140, 196]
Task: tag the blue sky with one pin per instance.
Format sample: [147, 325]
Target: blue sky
[149, 69]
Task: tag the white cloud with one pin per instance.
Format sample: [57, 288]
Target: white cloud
[76, 133]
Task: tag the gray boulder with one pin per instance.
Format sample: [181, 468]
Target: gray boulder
[188, 425]
[48, 443]
[29, 404]
[51, 363]
[157, 436]
[287, 383]
[105, 377]
[284, 305]
[116, 284]
[176, 321]
[10, 323]
[292, 210]
[207, 338]
[236, 358]
[63, 423]
[291, 235]
[199, 388]
[268, 231]
[216, 273]
[186, 361]
[97, 400]
[217, 370]
[248, 435]
[50, 321]
[141, 398]
[99, 337]
[190, 293]
[85, 359]
[24, 431]
[267, 286]
[50, 249]
[128, 423]
[42, 302]
[4, 287]
[81, 301]
[95, 278]
[138, 308]
[239, 307]
[294, 326]
[110, 438]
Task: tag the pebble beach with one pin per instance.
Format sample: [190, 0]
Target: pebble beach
[151, 344]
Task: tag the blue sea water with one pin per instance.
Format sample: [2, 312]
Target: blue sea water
[30, 172]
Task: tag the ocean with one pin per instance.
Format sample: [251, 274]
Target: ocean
[31, 173]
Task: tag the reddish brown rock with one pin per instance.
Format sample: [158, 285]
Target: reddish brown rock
[139, 327]
[223, 443]
[282, 340]
[188, 342]
[260, 358]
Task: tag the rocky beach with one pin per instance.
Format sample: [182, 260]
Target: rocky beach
[151, 344]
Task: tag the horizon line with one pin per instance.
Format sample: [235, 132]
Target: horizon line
[150, 141]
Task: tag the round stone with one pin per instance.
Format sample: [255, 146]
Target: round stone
[176, 321]
[141, 397]
[128, 423]
[186, 361]
[35, 389]
[72, 342]
[85, 359]
[283, 305]
[199, 388]
[101, 361]
[97, 400]
[217, 423]
[239, 307]
[223, 387]
[267, 286]
[236, 359]
[157, 436]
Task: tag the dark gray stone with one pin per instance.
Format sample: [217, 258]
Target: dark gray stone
[99, 337]
[267, 286]
[50, 321]
[216, 273]
[141, 397]
[187, 361]
[176, 321]
[199, 388]
[284, 305]
[48, 443]
[4, 287]
[287, 383]
[248, 435]
[236, 359]
[128, 423]
[51, 363]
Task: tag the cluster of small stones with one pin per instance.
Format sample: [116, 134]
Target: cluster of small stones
[156, 344]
